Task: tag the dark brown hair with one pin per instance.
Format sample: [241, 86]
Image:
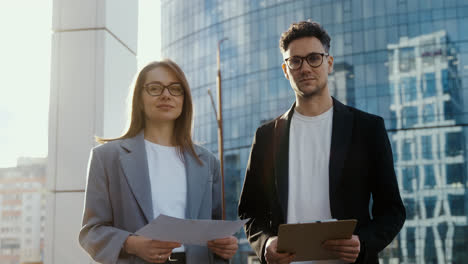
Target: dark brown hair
[183, 124]
[304, 29]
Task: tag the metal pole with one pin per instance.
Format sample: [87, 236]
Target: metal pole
[220, 124]
[213, 105]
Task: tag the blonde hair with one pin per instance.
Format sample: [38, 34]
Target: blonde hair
[183, 124]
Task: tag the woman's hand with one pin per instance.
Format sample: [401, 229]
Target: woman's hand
[224, 247]
[153, 251]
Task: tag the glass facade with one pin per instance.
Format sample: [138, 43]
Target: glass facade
[405, 60]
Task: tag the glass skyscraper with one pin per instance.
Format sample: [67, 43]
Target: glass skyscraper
[405, 60]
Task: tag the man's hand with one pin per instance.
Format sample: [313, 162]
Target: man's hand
[224, 247]
[344, 249]
[272, 256]
[153, 251]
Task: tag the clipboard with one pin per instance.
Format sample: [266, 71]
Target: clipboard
[305, 240]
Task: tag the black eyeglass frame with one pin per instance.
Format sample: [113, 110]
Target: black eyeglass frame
[146, 87]
[323, 54]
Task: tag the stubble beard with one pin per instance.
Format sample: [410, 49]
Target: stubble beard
[310, 94]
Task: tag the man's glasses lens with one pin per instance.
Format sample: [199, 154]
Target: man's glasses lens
[295, 62]
[157, 89]
[313, 59]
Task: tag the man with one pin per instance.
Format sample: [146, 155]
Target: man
[320, 160]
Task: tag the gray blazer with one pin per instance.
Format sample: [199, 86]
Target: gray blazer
[118, 199]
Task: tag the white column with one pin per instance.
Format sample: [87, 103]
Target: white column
[93, 62]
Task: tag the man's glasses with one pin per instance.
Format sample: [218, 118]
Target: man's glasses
[313, 59]
[156, 89]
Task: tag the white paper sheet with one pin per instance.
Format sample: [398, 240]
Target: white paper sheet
[187, 231]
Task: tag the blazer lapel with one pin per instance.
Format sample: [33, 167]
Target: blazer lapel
[281, 144]
[341, 137]
[197, 177]
[135, 166]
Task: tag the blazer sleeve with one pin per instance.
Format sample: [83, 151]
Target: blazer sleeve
[98, 237]
[253, 202]
[388, 211]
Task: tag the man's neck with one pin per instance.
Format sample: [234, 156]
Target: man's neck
[313, 106]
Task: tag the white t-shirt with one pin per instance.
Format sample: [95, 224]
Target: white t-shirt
[309, 158]
[168, 181]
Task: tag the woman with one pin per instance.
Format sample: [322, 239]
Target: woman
[154, 168]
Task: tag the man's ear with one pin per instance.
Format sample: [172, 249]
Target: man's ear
[330, 64]
[285, 71]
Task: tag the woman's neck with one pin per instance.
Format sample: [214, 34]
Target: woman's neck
[161, 133]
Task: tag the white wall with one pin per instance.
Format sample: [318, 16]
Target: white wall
[93, 62]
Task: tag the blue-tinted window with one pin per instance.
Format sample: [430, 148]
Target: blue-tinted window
[407, 59]
[442, 229]
[408, 89]
[393, 120]
[391, 87]
[414, 29]
[394, 149]
[411, 237]
[429, 249]
[430, 85]
[457, 204]
[429, 113]
[459, 244]
[445, 81]
[429, 203]
[426, 142]
[410, 178]
[454, 144]
[448, 110]
[406, 149]
[429, 173]
[455, 173]
[411, 208]
[410, 116]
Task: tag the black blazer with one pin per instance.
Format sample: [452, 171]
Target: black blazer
[361, 166]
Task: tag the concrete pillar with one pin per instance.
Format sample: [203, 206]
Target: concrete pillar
[93, 62]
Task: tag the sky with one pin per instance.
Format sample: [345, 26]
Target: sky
[149, 32]
[25, 52]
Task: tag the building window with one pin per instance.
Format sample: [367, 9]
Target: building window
[408, 89]
[411, 209]
[429, 203]
[429, 87]
[410, 178]
[457, 205]
[455, 173]
[429, 179]
[426, 142]
[410, 116]
[407, 60]
[453, 144]
[407, 152]
[429, 113]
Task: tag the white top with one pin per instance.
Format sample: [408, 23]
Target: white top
[168, 181]
[309, 158]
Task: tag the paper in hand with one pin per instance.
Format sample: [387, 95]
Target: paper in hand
[188, 231]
